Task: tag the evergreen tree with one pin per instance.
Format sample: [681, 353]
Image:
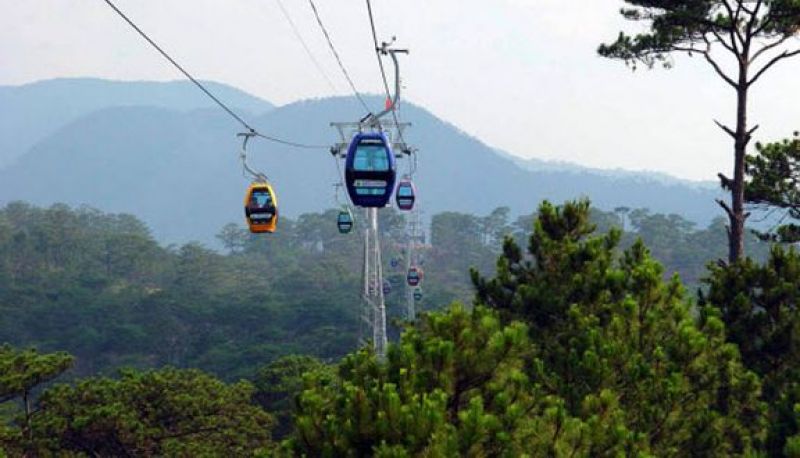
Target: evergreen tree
[602, 325]
[452, 386]
[753, 34]
[167, 412]
[760, 307]
[279, 383]
[774, 184]
[22, 371]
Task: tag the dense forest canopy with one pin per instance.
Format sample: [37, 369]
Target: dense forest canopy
[576, 341]
[531, 367]
[99, 286]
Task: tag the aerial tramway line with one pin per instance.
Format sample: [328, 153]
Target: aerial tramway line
[369, 149]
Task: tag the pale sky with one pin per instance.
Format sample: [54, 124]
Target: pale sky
[521, 75]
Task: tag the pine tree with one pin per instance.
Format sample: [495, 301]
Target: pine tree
[774, 184]
[22, 371]
[605, 325]
[760, 307]
[166, 412]
[754, 36]
[452, 386]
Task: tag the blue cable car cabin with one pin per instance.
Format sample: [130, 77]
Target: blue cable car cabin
[370, 170]
[417, 294]
[414, 276]
[406, 195]
[344, 222]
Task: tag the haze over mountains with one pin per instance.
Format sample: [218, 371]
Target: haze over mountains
[163, 152]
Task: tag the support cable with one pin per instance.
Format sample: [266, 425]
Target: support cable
[302, 41]
[378, 51]
[338, 58]
[204, 89]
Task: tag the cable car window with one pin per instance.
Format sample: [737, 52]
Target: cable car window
[405, 191]
[260, 199]
[371, 158]
[369, 191]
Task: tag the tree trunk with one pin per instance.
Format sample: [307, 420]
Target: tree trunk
[737, 216]
[26, 400]
[736, 213]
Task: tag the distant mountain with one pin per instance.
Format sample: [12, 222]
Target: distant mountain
[30, 112]
[540, 165]
[179, 170]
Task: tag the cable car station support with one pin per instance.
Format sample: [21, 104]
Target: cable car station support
[415, 236]
[372, 319]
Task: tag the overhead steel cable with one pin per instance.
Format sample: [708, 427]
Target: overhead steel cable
[305, 46]
[203, 88]
[378, 51]
[338, 58]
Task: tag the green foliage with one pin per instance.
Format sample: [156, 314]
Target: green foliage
[280, 382]
[453, 386]
[610, 361]
[461, 241]
[410, 402]
[759, 305]
[613, 361]
[99, 286]
[23, 370]
[774, 176]
[680, 248]
[608, 326]
[677, 26]
[166, 412]
[754, 35]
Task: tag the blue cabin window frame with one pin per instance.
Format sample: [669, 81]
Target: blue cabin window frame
[372, 183]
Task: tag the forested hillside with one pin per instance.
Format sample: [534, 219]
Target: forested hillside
[579, 343]
[99, 285]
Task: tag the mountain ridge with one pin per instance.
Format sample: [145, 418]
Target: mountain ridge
[179, 170]
[31, 111]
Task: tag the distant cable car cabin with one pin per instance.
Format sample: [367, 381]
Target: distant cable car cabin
[370, 170]
[387, 287]
[344, 221]
[406, 195]
[414, 276]
[261, 208]
[417, 294]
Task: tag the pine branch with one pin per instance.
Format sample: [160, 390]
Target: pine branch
[725, 207]
[766, 48]
[773, 61]
[727, 129]
[726, 182]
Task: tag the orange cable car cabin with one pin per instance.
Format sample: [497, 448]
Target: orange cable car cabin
[261, 208]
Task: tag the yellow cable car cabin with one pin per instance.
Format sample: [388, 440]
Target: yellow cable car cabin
[261, 208]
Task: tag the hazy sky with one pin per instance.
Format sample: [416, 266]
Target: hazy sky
[521, 75]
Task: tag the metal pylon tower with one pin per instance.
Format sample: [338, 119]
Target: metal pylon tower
[373, 308]
[414, 237]
[372, 319]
